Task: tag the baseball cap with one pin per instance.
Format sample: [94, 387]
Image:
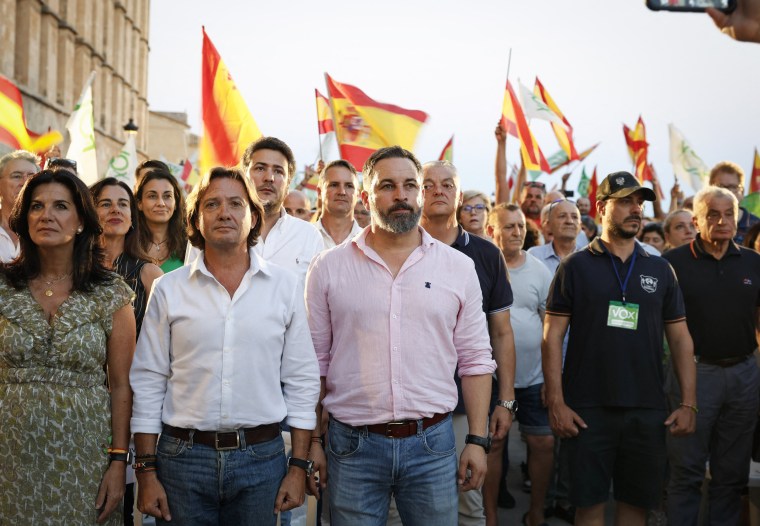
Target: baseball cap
[622, 184]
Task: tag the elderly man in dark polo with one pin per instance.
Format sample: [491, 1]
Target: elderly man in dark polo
[721, 287]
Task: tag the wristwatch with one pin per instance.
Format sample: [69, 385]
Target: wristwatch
[509, 405]
[306, 465]
[121, 457]
[484, 442]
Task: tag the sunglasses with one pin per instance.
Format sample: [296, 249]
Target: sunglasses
[60, 162]
[535, 184]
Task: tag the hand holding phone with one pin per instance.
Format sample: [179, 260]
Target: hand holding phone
[686, 6]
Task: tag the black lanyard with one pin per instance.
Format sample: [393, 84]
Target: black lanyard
[623, 284]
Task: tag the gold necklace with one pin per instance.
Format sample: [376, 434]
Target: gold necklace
[49, 289]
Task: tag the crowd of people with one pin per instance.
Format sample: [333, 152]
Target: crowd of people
[394, 331]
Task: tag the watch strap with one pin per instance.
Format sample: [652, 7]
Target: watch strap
[305, 465]
[484, 442]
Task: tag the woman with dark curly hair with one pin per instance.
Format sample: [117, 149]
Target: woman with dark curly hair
[161, 221]
[63, 315]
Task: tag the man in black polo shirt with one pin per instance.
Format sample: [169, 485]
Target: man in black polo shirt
[721, 287]
[442, 196]
[609, 403]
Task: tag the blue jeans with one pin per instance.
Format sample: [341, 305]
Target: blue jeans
[209, 487]
[366, 469]
[727, 398]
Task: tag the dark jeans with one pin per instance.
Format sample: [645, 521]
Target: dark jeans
[727, 399]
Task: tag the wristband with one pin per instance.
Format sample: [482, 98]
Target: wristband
[692, 407]
[318, 440]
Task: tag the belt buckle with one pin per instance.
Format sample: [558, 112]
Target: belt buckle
[388, 428]
[222, 448]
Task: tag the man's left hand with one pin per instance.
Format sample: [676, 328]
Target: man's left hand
[292, 491]
[682, 421]
[501, 421]
[472, 459]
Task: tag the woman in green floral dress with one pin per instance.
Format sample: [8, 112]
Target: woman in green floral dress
[62, 317]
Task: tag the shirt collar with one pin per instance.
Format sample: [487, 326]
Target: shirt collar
[361, 239]
[463, 238]
[598, 248]
[257, 264]
[698, 249]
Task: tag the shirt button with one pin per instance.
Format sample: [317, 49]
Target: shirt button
[395, 348]
[394, 316]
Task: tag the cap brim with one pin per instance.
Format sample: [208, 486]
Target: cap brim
[648, 193]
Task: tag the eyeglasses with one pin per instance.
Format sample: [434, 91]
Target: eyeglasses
[477, 208]
[60, 162]
[535, 184]
[733, 187]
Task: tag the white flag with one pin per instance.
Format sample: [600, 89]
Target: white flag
[123, 166]
[81, 127]
[535, 108]
[687, 165]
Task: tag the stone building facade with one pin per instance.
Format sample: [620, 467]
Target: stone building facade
[48, 49]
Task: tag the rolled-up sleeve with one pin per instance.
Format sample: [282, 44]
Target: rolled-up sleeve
[299, 372]
[471, 339]
[151, 365]
[318, 312]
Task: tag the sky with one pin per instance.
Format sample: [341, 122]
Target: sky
[604, 62]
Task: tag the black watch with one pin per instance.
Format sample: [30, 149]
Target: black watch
[484, 442]
[510, 405]
[121, 457]
[306, 465]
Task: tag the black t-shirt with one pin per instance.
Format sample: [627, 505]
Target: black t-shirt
[721, 297]
[609, 366]
[494, 284]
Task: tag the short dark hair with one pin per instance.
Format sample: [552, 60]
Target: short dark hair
[177, 231]
[389, 152]
[153, 164]
[132, 245]
[653, 227]
[340, 163]
[87, 257]
[196, 196]
[270, 143]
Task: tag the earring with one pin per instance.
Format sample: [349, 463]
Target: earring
[79, 230]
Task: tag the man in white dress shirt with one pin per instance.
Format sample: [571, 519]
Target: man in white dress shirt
[338, 187]
[224, 356]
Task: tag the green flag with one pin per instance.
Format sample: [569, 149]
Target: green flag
[583, 184]
[752, 203]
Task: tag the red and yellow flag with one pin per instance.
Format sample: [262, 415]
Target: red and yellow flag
[228, 127]
[324, 115]
[513, 120]
[564, 134]
[592, 188]
[754, 181]
[447, 154]
[638, 147]
[364, 125]
[13, 130]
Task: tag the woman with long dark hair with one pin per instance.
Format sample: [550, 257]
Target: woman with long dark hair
[161, 221]
[62, 316]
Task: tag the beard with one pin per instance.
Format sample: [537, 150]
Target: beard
[617, 229]
[397, 224]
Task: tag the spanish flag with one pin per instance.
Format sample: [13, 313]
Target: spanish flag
[13, 130]
[513, 120]
[448, 151]
[564, 133]
[754, 181]
[364, 125]
[324, 115]
[636, 140]
[228, 127]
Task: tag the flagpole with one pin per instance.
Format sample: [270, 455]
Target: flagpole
[319, 137]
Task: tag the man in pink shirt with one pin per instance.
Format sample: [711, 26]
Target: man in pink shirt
[387, 362]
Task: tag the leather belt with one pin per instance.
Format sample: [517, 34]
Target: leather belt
[722, 362]
[404, 428]
[222, 440]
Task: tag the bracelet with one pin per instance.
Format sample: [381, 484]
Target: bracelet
[318, 440]
[145, 466]
[116, 450]
[692, 407]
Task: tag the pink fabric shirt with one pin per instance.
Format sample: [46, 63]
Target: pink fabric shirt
[389, 347]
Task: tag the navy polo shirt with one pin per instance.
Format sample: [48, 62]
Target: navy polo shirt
[612, 366]
[721, 296]
[493, 278]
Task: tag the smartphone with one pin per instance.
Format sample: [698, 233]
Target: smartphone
[691, 5]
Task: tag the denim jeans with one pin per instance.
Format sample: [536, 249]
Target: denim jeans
[209, 487]
[727, 398]
[366, 469]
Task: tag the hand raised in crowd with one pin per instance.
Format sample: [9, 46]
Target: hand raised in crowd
[151, 497]
[292, 493]
[318, 477]
[564, 421]
[676, 192]
[472, 459]
[500, 133]
[111, 490]
[682, 421]
[501, 421]
[742, 24]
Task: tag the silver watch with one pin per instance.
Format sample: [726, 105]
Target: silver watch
[509, 405]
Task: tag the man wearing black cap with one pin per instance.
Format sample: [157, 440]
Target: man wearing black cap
[721, 286]
[608, 404]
